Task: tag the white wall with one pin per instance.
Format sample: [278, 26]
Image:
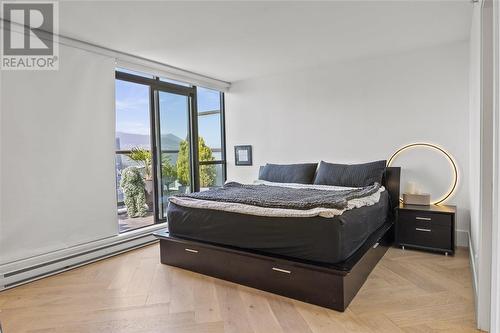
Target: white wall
[356, 111]
[57, 156]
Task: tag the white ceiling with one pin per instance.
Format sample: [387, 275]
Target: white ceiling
[239, 40]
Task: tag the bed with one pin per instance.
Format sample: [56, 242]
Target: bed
[319, 260]
[309, 238]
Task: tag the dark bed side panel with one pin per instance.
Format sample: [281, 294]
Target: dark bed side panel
[358, 224]
[313, 238]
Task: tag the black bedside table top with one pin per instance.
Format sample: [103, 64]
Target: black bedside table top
[431, 208]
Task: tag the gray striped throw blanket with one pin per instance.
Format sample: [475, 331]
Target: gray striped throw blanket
[282, 197]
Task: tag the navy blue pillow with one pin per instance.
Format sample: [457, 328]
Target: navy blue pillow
[289, 173]
[351, 175]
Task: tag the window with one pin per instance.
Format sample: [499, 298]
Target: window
[179, 144]
[212, 159]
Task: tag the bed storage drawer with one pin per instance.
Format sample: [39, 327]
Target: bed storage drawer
[277, 276]
[215, 263]
[189, 256]
[305, 284]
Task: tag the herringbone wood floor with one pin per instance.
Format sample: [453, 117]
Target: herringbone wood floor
[408, 291]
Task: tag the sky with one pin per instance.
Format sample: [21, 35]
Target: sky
[132, 112]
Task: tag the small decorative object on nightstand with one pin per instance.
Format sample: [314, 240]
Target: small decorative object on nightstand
[426, 227]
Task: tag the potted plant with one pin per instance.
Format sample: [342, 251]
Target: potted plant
[143, 157]
[132, 184]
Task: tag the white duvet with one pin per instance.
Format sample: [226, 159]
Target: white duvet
[280, 212]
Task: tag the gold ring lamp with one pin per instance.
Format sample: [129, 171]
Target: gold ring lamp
[442, 151]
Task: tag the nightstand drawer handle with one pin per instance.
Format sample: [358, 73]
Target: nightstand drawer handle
[281, 270]
[422, 229]
[423, 218]
[191, 250]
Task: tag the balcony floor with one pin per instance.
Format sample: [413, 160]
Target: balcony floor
[127, 224]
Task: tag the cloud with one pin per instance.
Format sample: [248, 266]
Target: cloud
[133, 127]
[132, 104]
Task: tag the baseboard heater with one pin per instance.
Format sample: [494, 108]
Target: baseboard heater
[10, 279]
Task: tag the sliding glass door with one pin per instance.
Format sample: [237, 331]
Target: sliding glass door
[173, 146]
[178, 141]
[133, 146]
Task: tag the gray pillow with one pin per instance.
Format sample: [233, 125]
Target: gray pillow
[288, 173]
[351, 175]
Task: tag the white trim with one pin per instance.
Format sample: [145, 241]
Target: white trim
[134, 62]
[462, 238]
[495, 255]
[486, 169]
[157, 69]
[149, 66]
[1, 163]
[26, 270]
[473, 268]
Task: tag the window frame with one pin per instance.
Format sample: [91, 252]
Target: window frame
[156, 85]
[222, 160]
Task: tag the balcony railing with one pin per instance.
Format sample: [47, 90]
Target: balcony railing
[120, 165]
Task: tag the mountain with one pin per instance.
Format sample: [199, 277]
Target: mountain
[170, 142]
[127, 141]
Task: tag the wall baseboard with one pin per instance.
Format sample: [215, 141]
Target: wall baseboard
[23, 271]
[462, 238]
[473, 268]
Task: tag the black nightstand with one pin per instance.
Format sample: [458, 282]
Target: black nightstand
[426, 227]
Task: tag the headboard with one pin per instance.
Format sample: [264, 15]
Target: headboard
[391, 182]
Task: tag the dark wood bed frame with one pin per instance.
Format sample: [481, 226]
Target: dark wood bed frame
[332, 286]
